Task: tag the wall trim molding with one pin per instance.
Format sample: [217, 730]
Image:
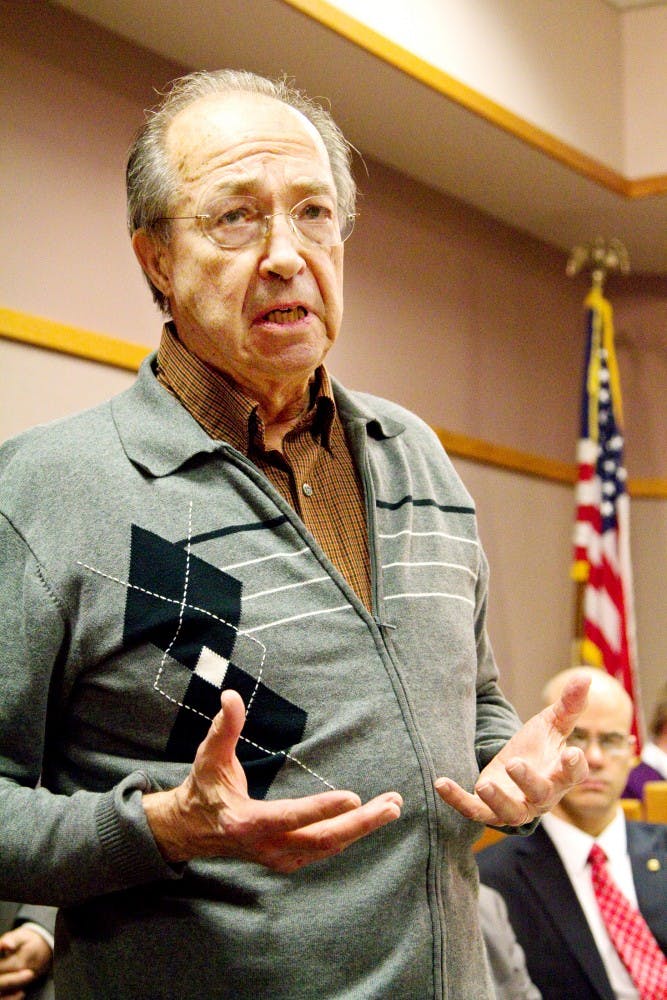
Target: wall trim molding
[36, 331]
[472, 100]
[40, 332]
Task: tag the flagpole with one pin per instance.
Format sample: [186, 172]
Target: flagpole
[604, 623]
[600, 257]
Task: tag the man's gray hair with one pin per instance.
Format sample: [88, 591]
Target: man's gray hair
[152, 184]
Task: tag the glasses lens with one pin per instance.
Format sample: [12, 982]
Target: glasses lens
[317, 220]
[612, 744]
[233, 221]
[578, 740]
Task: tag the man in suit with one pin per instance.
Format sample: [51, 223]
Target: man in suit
[26, 950]
[546, 880]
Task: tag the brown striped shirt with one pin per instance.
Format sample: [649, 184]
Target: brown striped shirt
[315, 472]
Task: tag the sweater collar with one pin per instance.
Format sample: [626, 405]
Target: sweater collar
[159, 436]
[157, 433]
[359, 408]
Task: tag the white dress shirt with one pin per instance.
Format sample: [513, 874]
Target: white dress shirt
[42, 931]
[574, 846]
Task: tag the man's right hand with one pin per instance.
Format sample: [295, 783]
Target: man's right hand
[24, 957]
[212, 815]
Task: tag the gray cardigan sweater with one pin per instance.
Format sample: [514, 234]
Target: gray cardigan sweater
[145, 567]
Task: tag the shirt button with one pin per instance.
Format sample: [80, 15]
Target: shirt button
[307, 489]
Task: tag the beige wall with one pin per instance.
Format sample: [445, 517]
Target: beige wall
[470, 323]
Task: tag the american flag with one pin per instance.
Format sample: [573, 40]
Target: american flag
[602, 530]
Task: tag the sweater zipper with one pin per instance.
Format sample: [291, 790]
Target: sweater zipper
[385, 628]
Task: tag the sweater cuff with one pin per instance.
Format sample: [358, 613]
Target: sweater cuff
[126, 836]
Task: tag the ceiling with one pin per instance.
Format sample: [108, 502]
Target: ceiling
[391, 116]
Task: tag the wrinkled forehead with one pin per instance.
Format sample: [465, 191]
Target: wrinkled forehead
[242, 130]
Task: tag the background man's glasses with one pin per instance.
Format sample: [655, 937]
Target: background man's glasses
[232, 222]
[611, 744]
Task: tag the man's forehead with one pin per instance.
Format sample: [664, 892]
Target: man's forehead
[605, 714]
[228, 124]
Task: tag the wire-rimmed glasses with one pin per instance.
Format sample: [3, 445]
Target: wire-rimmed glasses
[236, 221]
[611, 744]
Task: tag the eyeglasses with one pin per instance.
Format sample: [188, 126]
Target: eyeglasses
[232, 222]
[611, 744]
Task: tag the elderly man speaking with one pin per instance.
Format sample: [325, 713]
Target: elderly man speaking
[243, 619]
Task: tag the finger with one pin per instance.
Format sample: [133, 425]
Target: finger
[571, 703]
[14, 981]
[570, 768]
[287, 815]
[349, 826]
[464, 802]
[326, 838]
[575, 765]
[507, 809]
[535, 787]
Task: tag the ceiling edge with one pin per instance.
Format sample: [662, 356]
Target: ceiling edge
[447, 86]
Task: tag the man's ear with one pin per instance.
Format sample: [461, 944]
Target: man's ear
[151, 254]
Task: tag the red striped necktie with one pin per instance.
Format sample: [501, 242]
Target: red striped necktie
[630, 934]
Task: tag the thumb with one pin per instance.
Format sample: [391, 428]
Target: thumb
[226, 727]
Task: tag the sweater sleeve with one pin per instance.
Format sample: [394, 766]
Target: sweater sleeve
[55, 849]
[497, 720]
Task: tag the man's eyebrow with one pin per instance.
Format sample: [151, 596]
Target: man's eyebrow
[604, 732]
[315, 187]
[254, 186]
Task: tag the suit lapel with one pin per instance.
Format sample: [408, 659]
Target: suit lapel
[542, 867]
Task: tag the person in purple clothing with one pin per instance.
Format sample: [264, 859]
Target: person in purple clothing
[652, 765]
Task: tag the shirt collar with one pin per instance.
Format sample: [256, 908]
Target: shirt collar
[574, 845]
[159, 435]
[220, 407]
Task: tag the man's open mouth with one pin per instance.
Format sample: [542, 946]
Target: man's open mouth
[286, 315]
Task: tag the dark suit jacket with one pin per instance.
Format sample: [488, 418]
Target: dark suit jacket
[549, 924]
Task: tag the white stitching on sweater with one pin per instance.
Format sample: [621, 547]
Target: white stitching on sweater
[182, 607]
[183, 604]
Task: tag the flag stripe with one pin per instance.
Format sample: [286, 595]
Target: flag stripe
[601, 549]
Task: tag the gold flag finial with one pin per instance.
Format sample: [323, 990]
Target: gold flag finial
[601, 256]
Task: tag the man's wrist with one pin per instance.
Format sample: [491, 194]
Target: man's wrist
[162, 816]
[167, 816]
[38, 929]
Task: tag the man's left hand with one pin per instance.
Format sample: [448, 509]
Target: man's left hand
[532, 772]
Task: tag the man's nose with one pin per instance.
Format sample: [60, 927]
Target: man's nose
[593, 753]
[282, 247]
